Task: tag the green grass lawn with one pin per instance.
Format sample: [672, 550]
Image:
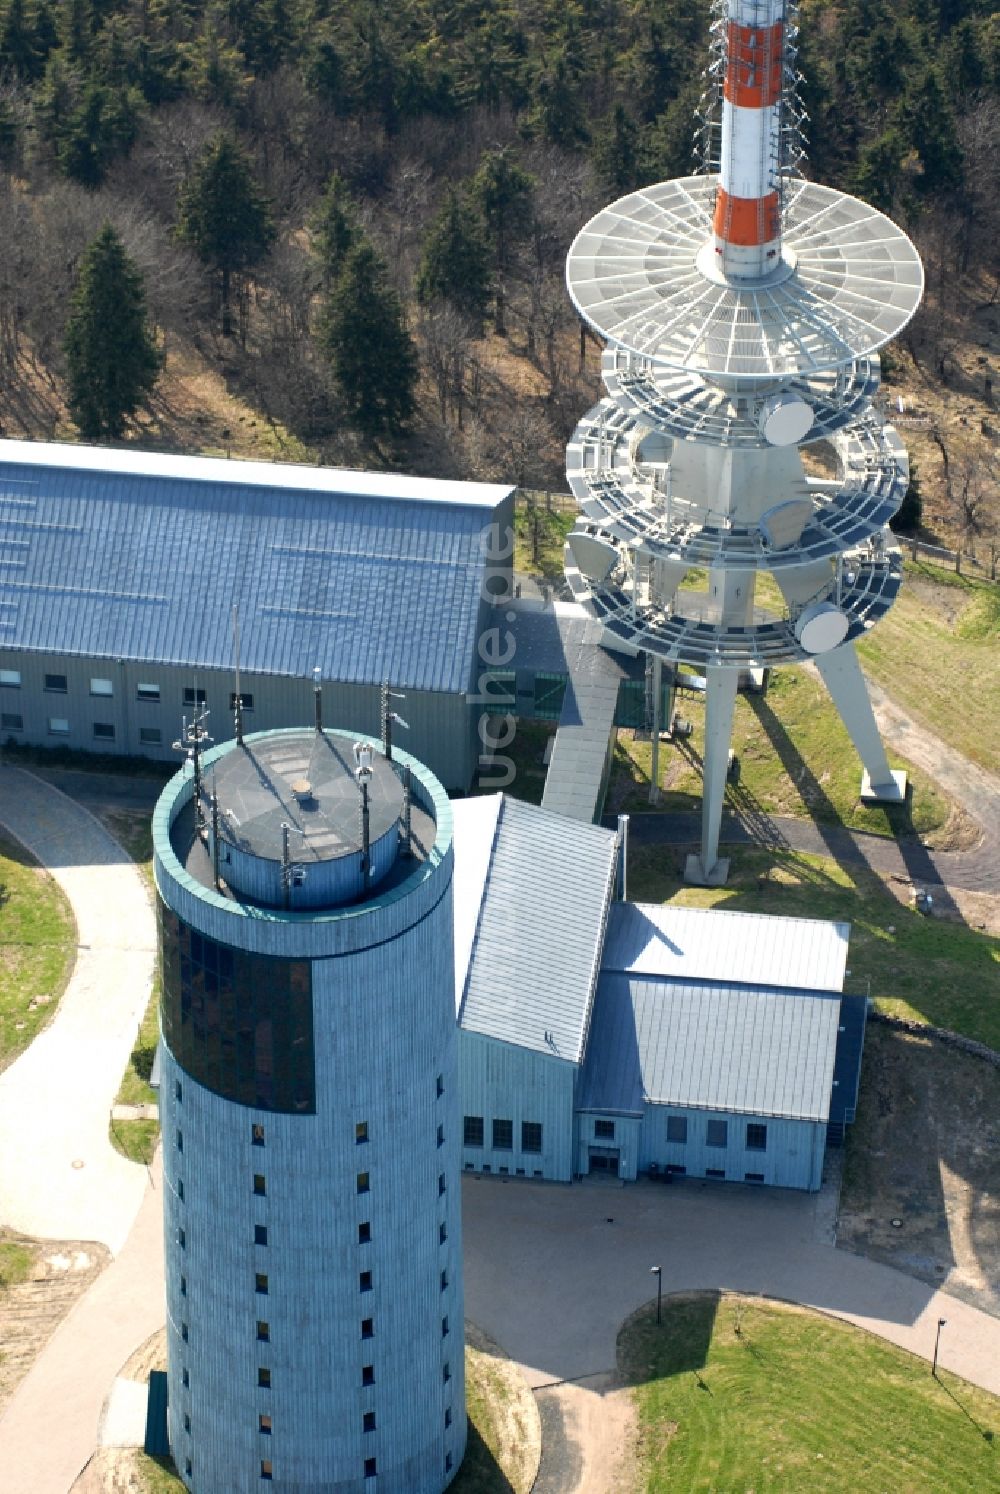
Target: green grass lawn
[929, 969]
[936, 653]
[525, 751]
[37, 948]
[16, 1261]
[796, 1402]
[539, 536]
[795, 759]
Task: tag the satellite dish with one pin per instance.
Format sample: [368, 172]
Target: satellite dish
[596, 558]
[782, 525]
[821, 627]
[784, 419]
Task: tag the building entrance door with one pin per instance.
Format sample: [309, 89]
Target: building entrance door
[604, 1159]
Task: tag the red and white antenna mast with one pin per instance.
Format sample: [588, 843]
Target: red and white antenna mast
[747, 219]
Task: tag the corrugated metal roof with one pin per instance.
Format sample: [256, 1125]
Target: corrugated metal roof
[537, 947]
[475, 830]
[575, 775]
[711, 1046]
[133, 556]
[713, 944]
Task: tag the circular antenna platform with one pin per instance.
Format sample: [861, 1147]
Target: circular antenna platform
[849, 281]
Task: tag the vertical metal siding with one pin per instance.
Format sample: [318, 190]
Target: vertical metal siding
[504, 1082]
[793, 1159]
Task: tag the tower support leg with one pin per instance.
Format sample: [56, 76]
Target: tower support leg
[654, 776]
[708, 869]
[841, 674]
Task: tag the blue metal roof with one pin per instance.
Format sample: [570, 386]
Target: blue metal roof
[127, 555]
[702, 1045]
[534, 958]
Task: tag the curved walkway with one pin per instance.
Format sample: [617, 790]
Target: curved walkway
[59, 1175]
[552, 1272]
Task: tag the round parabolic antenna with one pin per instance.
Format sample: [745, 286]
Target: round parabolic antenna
[785, 420]
[821, 627]
[642, 274]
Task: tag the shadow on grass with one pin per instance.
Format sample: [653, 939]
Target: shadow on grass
[648, 1350]
[479, 1473]
[984, 1432]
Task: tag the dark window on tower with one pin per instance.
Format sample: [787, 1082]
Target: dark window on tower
[442, 1233]
[245, 700]
[442, 1182]
[446, 1371]
[264, 1423]
[444, 1281]
[440, 1135]
[756, 1138]
[447, 1416]
[187, 1422]
[265, 1469]
[368, 1374]
[364, 1182]
[473, 1130]
[260, 1282]
[368, 1422]
[263, 1331]
[365, 1281]
[371, 1468]
[104, 731]
[605, 1130]
[185, 1379]
[440, 1085]
[264, 1378]
[194, 697]
[531, 1136]
[257, 1134]
[364, 1232]
[361, 1132]
[184, 1332]
[239, 1023]
[503, 1135]
[55, 684]
[448, 1460]
[259, 1184]
[260, 1234]
[444, 1328]
[367, 1327]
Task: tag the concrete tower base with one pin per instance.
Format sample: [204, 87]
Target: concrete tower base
[716, 876]
[884, 793]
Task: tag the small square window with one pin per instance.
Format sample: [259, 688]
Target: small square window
[147, 691]
[442, 1233]
[447, 1416]
[368, 1374]
[361, 1132]
[180, 1141]
[371, 1468]
[265, 1469]
[12, 721]
[444, 1281]
[264, 1423]
[55, 684]
[604, 1129]
[184, 1332]
[440, 1135]
[150, 736]
[445, 1330]
[260, 1234]
[368, 1422]
[104, 731]
[473, 1130]
[184, 1286]
[194, 697]
[717, 1133]
[442, 1183]
[753, 1177]
[263, 1331]
[10, 679]
[364, 1232]
[446, 1372]
[677, 1128]
[187, 1467]
[440, 1085]
[180, 1189]
[185, 1379]
[246, 700]
[182, 1238]
[367, 1327]
[101, 687]
[58, 726]
[503, 1136]
[187, 1422]
[264, 1378]
[756, 1138]
[364, 1182]
[260, 1282]
[365, 1281]
[178, 1091]
[531, 1136]
[257, 1134]
[447, 1462]
[259, 1184]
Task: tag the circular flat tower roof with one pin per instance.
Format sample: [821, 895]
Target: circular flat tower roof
[306, 781]
[642, 273]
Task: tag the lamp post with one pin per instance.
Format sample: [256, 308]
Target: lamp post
[657, 1271]
[937, 1340]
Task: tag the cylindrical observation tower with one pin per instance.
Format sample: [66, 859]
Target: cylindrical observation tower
[310, 1117]
[742, 310]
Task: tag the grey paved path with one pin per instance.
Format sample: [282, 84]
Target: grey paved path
[59, 1175]
[551, 1272]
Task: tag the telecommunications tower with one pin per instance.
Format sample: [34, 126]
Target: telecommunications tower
[742, 310]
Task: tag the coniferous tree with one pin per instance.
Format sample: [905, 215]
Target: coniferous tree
[370, 350]
[335, 227]
[110, 349]
[502, 188]
[616, 152]
[224, 216]
[455, 261]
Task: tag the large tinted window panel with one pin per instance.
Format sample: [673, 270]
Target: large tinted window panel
[239, 1023]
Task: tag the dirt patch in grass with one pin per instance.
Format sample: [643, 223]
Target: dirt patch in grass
[925, 1151]
[39, 1282]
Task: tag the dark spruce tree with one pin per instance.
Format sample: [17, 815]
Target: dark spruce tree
[224, 216]
[371, 352]
[111, 353]
[335, 227]
[455, 264]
